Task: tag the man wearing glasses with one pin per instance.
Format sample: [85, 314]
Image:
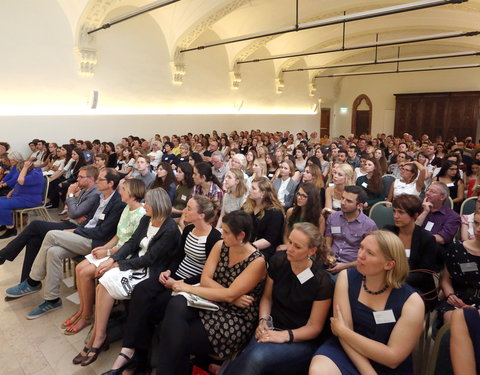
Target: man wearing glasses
[95, 231]
[439, 220]
[82, 199]
[219, 169]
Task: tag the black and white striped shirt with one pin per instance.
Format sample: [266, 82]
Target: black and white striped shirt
[195, 256]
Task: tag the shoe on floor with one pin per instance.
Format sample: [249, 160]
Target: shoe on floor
[22, 289]
[10, 232]
[43, 309]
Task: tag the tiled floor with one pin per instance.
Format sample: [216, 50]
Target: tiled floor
[39, 347]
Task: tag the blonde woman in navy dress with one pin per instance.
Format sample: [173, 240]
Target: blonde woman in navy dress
[377, 317]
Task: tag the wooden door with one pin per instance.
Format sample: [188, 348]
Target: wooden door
[324, 122]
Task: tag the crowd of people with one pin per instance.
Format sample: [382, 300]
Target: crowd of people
[273, 228]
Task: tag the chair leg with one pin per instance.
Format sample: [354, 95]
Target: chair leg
[46, 214]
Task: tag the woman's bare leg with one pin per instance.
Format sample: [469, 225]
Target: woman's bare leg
[86, 291]
[461, 346]
[102, 313]
[321, 365]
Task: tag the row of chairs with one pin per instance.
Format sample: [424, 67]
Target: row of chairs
[382, 212]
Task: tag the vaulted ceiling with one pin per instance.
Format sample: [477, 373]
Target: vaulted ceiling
[188, 24]
[153, 60]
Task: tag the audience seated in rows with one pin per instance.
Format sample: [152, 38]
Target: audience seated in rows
[323, 171]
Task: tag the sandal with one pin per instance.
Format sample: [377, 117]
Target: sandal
[72, 329]
[70, 321]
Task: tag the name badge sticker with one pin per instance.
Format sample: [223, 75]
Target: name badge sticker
[407, 253]
[304, 276]
[429, 226]
[383, 317]
[183, 197]
[101, 217]
[336, 230]
[451, 184]
[364, 184]
[468, 267]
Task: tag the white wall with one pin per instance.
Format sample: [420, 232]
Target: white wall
[22, 129]
[381, 89]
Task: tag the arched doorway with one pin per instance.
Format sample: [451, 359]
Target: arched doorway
[362, 115]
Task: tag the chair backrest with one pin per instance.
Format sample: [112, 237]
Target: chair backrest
[468, 206]
[387, 181]
[440, 362]
[382, 214]
[448, 202]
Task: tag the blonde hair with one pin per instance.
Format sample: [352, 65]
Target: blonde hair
[393, 249]
[241, 188]
[315, 240]
[290, 166]
[263, 166]
[349, 173]
[269, 201]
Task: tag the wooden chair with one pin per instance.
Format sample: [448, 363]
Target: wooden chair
[439, 362]
[39, 210]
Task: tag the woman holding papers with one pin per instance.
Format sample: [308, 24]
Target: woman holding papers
[293, 309]
[149, 251]
[377, 317]
[233, 278]
[132, 192]
[150, 297]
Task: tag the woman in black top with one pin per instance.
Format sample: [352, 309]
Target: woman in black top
[157, 238]
[150, 297]
[267, 215]
[296, 302]
[420, 246]
[112, 155]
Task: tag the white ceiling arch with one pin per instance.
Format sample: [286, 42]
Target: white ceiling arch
[188, 21]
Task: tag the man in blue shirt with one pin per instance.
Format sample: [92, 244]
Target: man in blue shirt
[346, 228]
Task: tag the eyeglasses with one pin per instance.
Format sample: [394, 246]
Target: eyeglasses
[301, 195]
[453, 169]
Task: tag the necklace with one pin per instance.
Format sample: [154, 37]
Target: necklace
[370, 291]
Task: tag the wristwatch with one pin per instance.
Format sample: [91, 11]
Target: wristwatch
[71, 195]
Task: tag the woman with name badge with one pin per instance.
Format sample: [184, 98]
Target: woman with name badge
[293, 309]
[461, 276]
[377, 317]
[420, 246]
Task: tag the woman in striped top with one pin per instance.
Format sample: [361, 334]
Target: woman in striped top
[150, 297]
